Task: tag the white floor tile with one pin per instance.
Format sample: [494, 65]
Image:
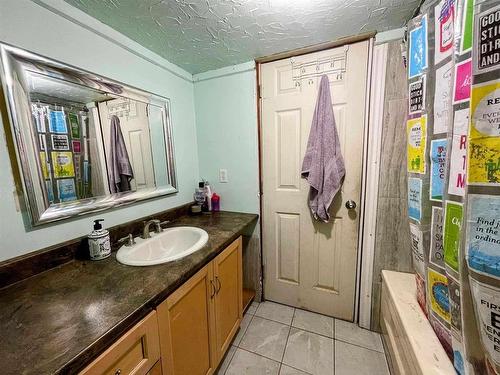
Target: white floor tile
[287, 370]
[275, 311]
[317, 323]
[353, 334]
[354, 360]
[246, 363]
[266, 338]
[309, 352]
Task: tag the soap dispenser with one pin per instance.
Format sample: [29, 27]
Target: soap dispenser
[99, 245]
[199, 193]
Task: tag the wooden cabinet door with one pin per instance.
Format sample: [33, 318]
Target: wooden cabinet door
[228, 299]
[135, 353]
[186, 321]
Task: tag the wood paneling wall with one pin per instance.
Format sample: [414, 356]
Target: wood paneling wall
[392, 240]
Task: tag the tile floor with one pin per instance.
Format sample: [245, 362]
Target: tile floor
[279, 340]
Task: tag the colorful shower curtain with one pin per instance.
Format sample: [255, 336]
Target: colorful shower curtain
[453, 143]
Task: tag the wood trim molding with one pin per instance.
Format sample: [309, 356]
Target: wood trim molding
[316, 47]
[259, 150]
[376, 114]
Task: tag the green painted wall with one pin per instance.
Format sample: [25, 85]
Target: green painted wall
[28, 25]
[226, 124]
[223, 134]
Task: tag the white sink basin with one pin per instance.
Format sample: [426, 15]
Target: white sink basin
[171, 244]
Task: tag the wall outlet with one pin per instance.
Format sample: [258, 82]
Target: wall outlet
[223, 175]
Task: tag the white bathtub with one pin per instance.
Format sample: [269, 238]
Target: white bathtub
[411, 344]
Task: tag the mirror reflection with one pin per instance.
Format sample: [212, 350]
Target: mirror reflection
[97, 147]
[92, 142]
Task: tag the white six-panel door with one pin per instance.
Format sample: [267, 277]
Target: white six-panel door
[136, 134]
[309, 264]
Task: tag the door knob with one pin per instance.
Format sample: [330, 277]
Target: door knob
[350, 204]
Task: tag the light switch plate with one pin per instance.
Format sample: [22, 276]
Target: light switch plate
[223, 175]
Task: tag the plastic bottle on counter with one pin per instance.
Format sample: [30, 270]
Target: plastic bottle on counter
[208, 196]
[199, 193]
[215, 202]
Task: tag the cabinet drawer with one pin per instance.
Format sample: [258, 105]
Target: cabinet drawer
[135, 353]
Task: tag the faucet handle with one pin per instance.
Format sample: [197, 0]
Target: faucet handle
[159, 225]
[153, 221]
[128, 240]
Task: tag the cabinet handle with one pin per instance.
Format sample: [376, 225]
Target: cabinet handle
[219, 285]
[118, 372]
[214, 289]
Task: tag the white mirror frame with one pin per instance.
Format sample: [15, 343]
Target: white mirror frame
[21, 138]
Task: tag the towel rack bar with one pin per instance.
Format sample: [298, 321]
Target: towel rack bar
[318, 74]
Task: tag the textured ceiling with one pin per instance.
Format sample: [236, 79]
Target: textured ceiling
[201, 35]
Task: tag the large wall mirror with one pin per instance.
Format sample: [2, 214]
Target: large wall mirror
[82, 142]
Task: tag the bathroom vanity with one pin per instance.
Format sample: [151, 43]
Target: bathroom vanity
[198, 320]
[201, 318]
[81, 143]
[105, 317]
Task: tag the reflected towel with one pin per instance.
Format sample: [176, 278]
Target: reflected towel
[119, 169]
[323, 164]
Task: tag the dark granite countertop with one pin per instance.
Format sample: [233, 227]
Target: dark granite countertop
[57, 321]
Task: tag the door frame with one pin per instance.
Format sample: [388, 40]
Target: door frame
[375, 112]
[362, 306]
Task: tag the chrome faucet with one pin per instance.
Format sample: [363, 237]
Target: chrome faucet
[147, 224]
[128, 240]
